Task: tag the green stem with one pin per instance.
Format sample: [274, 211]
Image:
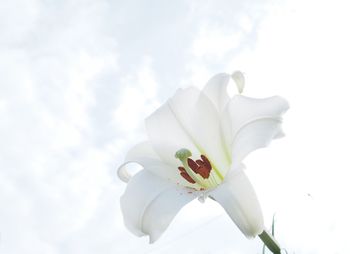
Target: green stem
[270, 242]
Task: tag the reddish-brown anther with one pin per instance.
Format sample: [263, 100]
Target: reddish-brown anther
[187, 177]
[204, 172]
[184, 174]
[206, 162]
[201, 167]
[182, 169]
[192, 164]
[199, 162]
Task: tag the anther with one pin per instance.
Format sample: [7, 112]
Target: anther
[201, 167]
[184, 174]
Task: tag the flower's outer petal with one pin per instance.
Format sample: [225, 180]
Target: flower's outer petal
[216, 90]
[150, 203]
[252, 123]
[141, 151]
[257, 134]
[238, 77]
[188, 120]
[144, 155]
[237, 196]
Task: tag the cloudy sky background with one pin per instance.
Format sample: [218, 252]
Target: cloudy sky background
[77, 78]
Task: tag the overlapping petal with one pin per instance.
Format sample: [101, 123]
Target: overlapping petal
[249, 123]
[237, 196]
[216, 90]
[144, 155]
[188, 120]
[150, 203]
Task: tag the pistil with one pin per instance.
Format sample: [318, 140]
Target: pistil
[195, 171]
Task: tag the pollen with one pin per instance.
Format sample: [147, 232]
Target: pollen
[195, 171]
[201, 167]
[184, 174]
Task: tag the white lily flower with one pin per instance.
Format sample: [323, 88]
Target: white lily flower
[197, 141]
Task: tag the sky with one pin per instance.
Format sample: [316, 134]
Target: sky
[78, 78]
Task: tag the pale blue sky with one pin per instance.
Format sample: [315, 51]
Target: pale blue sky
[77, 78]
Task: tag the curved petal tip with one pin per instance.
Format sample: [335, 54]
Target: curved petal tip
[123, 173]
[239, 79]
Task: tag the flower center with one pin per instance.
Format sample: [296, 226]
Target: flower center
[198, 171]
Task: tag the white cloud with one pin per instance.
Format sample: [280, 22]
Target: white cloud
[138, 98]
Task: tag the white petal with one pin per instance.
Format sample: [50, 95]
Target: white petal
[257, 134]
[144, 155]
[188, 120]
[238, 77]
[150, 203]
[216, 90]
[252, 123]
[237, 196]
[141, 151]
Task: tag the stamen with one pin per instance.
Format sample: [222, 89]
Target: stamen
[201, 167]
[195, 171]
[184, 174]
[182, 169]
[199, 162]
[206, 162]
[192, 165]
